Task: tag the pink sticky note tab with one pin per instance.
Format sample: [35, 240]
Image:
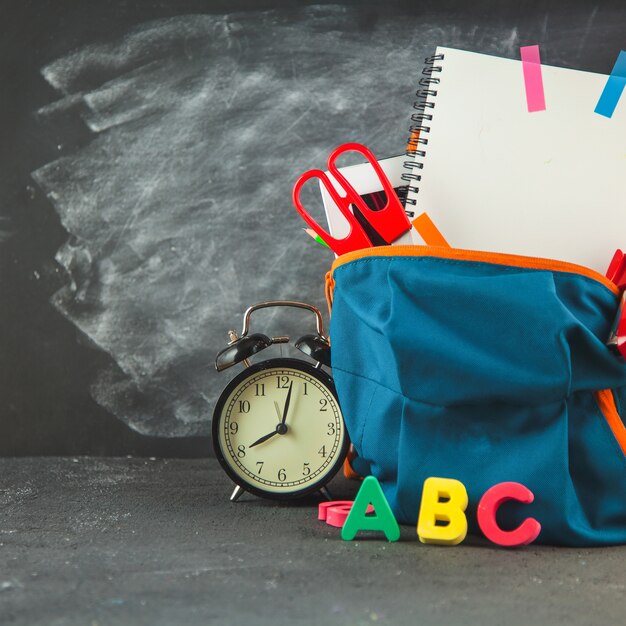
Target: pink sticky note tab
[533, 80]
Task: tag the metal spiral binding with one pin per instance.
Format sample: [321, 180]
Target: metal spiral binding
[419, 127]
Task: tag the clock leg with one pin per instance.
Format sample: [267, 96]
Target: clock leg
[237, 493]
[326, 494]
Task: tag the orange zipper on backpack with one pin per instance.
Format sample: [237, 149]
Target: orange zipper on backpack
[444, 252]
[608, 408]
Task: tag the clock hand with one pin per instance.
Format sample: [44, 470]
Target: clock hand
[286, 409]
[281, 429]
[262, 439]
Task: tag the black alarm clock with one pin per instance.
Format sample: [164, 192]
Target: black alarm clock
[278, 430]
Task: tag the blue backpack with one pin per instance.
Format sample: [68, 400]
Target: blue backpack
[485, 368]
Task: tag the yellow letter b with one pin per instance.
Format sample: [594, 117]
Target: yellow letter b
[442, 519]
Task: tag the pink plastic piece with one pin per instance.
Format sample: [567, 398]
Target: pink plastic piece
[525, 533]
[322, 509]
[337, 515]
[336, 512]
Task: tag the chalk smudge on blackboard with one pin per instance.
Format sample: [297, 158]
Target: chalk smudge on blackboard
[178, 209]
[6, 230]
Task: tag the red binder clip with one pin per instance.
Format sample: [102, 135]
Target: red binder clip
[617, 269]
[617, 274]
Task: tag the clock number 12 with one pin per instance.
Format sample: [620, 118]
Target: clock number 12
[282, 382]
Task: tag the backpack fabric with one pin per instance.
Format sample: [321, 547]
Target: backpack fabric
[485, 368]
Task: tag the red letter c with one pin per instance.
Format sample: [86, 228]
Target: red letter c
[525, 533]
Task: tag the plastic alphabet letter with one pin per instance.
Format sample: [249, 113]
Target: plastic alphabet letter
[336, 513]
[382, 519]
[525, 533]
[323, 507]
[443, 500]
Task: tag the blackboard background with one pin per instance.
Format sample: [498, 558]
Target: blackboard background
[287, 81]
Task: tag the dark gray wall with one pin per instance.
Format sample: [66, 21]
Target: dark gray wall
[147, 157]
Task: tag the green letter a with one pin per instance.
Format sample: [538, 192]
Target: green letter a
[383, 519]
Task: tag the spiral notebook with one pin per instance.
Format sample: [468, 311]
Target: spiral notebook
[495, 177]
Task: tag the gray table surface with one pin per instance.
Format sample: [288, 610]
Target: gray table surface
[101, 541]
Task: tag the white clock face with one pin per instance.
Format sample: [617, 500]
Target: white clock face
[280, 429]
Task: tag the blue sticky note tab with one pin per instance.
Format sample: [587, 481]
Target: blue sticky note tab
[614, 87]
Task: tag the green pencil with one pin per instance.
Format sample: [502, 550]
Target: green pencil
[315, 236]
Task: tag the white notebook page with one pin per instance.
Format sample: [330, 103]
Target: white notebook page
[495, 177]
